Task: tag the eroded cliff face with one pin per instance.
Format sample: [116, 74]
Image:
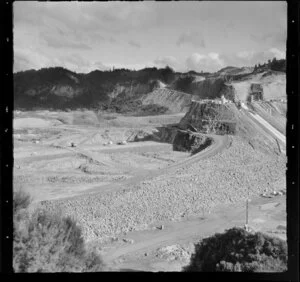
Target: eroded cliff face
[164, 134]
[175, 101]
[187, 141]
[211, 117]
[128, 90]
[230, 118]
[66, 91]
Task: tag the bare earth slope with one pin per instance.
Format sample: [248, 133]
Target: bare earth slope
[273, 84]
[174, 100]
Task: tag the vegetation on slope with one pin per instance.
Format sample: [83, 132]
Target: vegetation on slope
[48, 242]
[59, 88]
[134, 107]
[275, 65]
[184, 84]
[237, 250]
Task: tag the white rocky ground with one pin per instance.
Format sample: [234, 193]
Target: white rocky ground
[227, 177]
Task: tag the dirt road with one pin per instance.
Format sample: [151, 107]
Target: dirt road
[268, 126]
[220, 143]
[264, 214]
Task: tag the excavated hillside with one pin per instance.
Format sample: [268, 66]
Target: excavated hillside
[273, 85]
[175, 101]
[208, 116]
[232, 118]
[59, 88]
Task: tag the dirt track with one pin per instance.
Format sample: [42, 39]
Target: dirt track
[220, 143]
[188, 231]
[275, 132]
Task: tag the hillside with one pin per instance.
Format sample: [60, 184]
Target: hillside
[143, 91]
[273, 84]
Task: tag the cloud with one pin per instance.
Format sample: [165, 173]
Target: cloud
[100, 66]
[204, 62]
[167, 61]
[194, 38]
[29, 59]
[61, 41]
[251, 57]
[134, 44]
[213, 61]
[112, 40]
[89, 16]
[78, 63]
[277, 38]
[45, 33]
[245, 55]
[21, 62]
[25, 59]
[278, 53]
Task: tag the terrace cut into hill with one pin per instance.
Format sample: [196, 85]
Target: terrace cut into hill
[239, 119]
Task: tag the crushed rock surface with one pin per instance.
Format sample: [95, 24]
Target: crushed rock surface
[228, 177]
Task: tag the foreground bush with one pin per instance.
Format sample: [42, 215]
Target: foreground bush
[21, 200]
[45, 242]
[238, 250]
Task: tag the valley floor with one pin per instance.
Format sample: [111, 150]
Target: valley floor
[143, 205]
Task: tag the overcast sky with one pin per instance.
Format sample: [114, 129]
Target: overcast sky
[185, 35]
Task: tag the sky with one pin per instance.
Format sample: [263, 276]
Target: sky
[185, 35]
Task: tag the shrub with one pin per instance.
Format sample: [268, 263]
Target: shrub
[278, 65]
[21, 200]
[238, 250]
[49, 242]
[184, 83]
[167, 74]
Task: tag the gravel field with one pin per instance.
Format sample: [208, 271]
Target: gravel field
[223, 178]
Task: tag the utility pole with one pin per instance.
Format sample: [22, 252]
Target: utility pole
[278, 145]
[247, 211]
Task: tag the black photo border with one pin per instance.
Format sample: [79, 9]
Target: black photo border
[292, 129]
